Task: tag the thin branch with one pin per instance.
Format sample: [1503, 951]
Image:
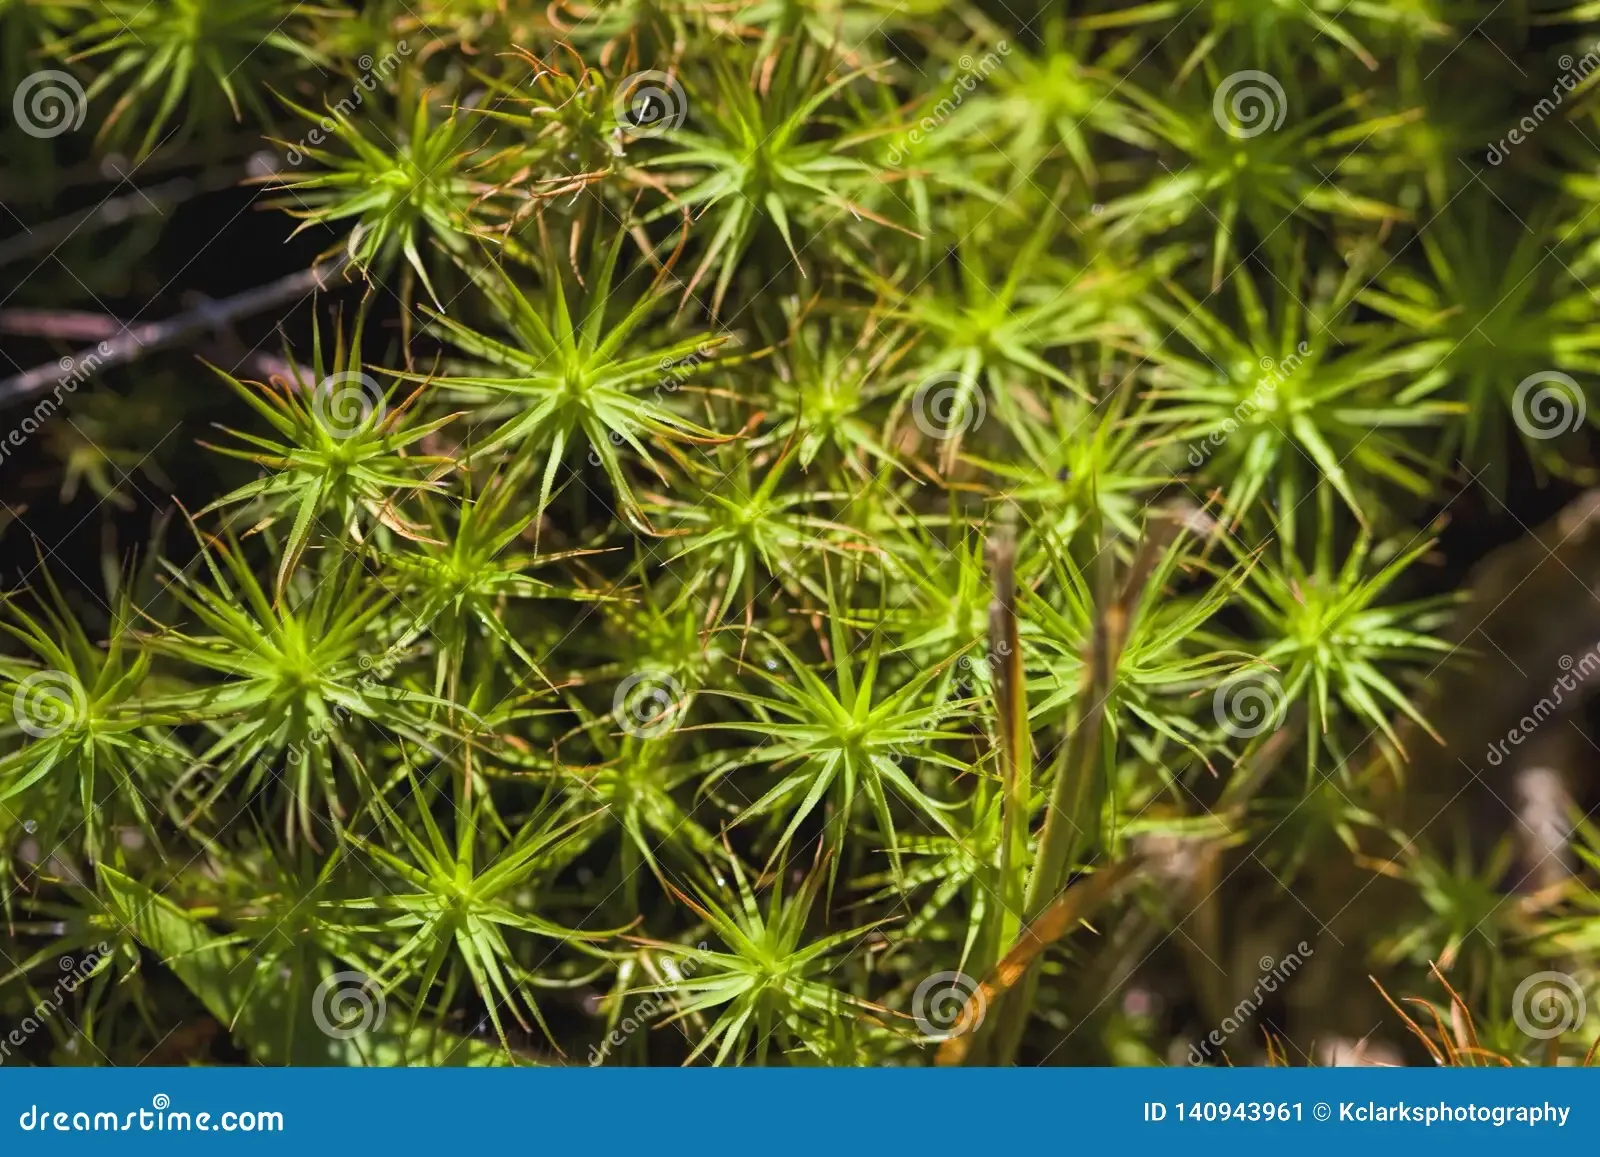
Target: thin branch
[154, 200]
[60, 324]
[132, 344]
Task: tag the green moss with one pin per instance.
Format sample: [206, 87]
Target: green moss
[987, 459]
